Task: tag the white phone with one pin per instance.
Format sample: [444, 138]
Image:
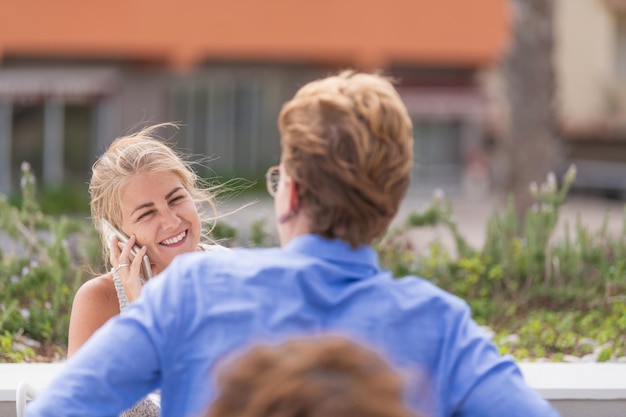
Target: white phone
[110, 231]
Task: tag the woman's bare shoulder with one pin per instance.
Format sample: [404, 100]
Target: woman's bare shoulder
[99, 292]
[95, 302]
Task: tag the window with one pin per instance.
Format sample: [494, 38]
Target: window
[437, 153]
[78, 132]
[27, 140]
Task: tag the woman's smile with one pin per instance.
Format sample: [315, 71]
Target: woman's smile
[176, 240]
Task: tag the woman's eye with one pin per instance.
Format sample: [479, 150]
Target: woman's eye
[144, 215]
[177, 199]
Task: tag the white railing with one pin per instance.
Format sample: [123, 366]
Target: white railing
[575, 389]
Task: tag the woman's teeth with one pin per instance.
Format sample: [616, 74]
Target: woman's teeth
[174, 239]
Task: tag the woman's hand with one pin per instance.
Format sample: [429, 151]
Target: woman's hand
[128, 271]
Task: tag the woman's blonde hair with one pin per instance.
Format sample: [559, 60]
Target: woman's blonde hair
[137, 153]
[319, 377]
[347, 141]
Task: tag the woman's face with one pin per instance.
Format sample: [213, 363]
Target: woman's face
[159, 211]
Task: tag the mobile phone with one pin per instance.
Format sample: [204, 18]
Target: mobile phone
[110, 231]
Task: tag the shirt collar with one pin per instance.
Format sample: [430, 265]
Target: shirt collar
[334, 250]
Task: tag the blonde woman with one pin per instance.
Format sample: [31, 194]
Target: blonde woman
[147, 192]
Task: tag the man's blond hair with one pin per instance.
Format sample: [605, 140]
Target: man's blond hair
[347, 142]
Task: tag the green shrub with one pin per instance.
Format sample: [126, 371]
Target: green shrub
[521, 263]
[41, 271]
[542, 297]
[58, 200]
[223, 233]
[523, 281]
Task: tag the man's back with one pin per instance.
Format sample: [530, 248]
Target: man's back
[207, 306]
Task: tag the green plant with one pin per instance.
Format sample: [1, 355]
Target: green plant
[43, 268]
[523, 279]
[258, 237]
[543, 297]
[558, 335]
[223, 233]
[58, 200]
[12, 351]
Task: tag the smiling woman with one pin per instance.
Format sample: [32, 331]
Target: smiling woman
[146, 201]
[160, 213]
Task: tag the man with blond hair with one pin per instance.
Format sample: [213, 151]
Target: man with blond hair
[344, 169]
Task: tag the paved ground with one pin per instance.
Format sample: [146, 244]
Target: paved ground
[472, 213]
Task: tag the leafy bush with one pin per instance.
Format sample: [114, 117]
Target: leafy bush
[542, 297]
[223, 233]
[41, 272]
[523, 281]
[58, 200]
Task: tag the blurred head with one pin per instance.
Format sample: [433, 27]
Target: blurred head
[347, 149]
[324, 377]
[142, 187]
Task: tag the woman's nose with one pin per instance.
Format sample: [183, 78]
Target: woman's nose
[170, 220]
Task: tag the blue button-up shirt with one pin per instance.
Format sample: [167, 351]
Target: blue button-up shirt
[205, 306]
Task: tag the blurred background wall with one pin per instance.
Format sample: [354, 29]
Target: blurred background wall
[591, 69]
[74, 75]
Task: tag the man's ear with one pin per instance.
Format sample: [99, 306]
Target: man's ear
[293, 195]
[291, 188]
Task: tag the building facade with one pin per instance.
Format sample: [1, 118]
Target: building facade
[591, 68]
[74, 75]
